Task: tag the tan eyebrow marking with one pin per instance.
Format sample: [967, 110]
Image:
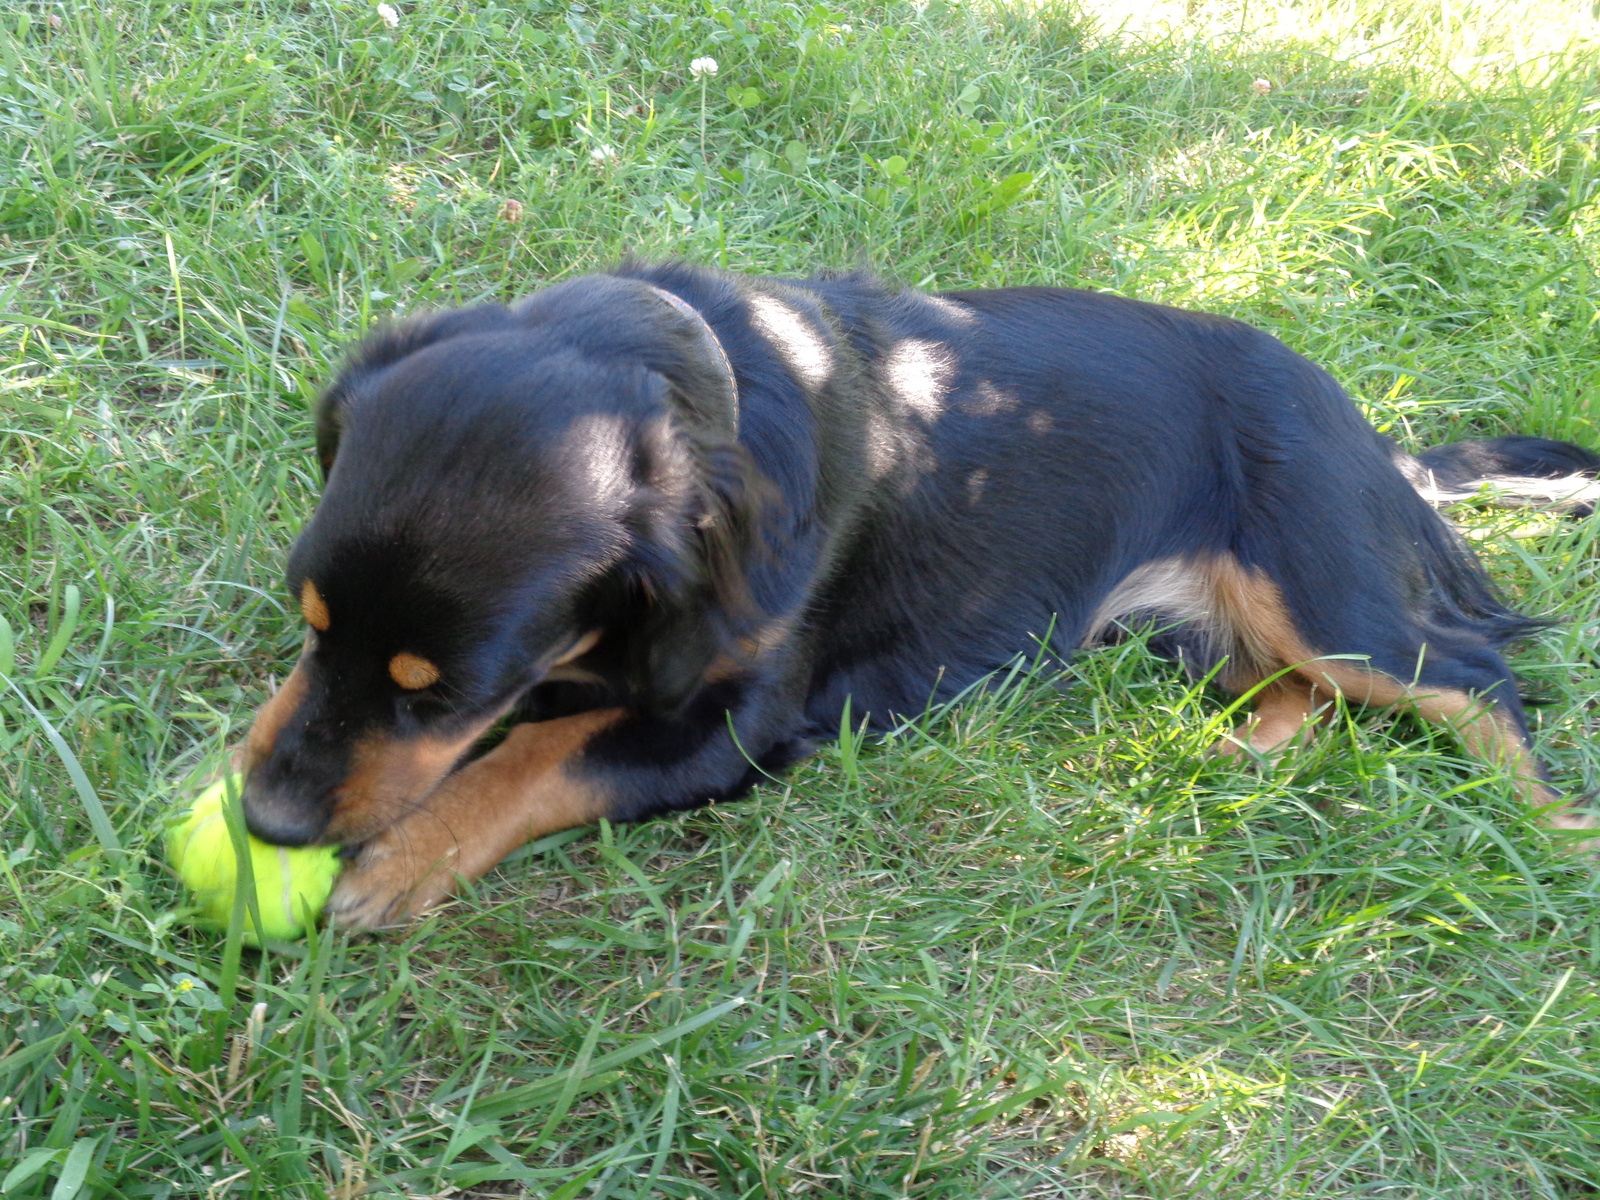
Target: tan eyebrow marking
[411, 671]
[313, 608]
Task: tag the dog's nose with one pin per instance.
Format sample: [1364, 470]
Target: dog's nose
[280, 821]
[282, 829]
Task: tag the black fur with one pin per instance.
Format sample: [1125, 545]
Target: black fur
[904, 493]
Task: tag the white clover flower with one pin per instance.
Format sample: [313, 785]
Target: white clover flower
[602, 155]
[389, 15]
[1261, 87]
[702, 67]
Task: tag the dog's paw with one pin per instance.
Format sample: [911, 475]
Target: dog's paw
[1576, 819]
[391, 881]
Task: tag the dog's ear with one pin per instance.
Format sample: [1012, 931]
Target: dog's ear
[698, 533]
[330, 426]
[698, 517]
[384, 347]
[613, 317]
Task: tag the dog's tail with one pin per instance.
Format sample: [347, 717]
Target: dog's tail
[1509, 472]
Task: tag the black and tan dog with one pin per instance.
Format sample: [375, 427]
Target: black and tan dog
[665, 521]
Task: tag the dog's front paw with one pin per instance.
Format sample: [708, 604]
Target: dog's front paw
[391, 880]
[478, 815]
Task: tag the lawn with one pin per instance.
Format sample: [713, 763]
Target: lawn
[1035, 944]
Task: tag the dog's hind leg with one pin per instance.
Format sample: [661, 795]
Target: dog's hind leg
[1467, 688]
[1486, 715]
[1204, 626]
[1287, 710]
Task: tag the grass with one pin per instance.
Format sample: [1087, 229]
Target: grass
[1035, 945]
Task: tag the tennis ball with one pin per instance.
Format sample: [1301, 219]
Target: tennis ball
[292, 884]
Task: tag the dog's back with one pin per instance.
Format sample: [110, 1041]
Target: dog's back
[1060, 460]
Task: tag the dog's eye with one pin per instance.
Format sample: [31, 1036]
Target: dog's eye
[421, 706]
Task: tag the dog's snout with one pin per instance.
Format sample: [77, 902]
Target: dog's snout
[281, 820]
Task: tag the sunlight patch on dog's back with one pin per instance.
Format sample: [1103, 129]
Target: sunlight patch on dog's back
[951, 309]
[977, 481]
[986, 400]
[893, 444]
[919, 373]
[792, 335]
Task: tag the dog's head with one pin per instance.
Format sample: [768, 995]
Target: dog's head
[505, 488]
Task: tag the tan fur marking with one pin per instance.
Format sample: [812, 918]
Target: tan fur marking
[725, 667]
[1285, 713]
[519, 791]
[1177, 588]
[274, 715]
[313, 608]
[1256, 618]
[412, 671]
[1255, 610]
[390, 777]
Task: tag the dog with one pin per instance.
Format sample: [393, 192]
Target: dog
[654, 528]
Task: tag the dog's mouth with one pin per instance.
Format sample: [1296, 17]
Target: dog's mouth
[384, 779]
[384, 776]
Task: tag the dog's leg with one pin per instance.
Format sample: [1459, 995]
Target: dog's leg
[522, 789]
[1490, 730]
[1468, 690]
[1286, 713]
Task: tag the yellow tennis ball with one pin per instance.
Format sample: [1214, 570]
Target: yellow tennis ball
[292, 883]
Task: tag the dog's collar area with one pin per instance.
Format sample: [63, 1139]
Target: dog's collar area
[690, 311]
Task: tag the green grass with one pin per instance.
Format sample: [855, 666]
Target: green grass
[1036, 945]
